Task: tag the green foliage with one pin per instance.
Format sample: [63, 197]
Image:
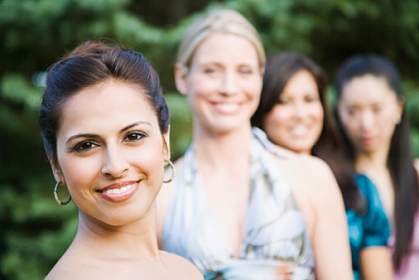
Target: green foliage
[34, 33]
[181, 124]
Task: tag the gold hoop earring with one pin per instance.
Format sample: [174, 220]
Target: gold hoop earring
[57, 199]
[169, 164]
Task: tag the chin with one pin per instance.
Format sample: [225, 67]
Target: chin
[369, 149]
[224, 124]
[225, 128]
[123, 220]
[120, 217]
[300, 149]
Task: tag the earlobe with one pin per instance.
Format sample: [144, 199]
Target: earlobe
[180, 76]
[56, 170]
[166, 144]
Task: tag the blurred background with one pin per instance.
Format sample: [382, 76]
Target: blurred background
[34, 230]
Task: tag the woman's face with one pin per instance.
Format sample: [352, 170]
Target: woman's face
[223, 82]
[296, 121]
[369, 111]
[110, 152]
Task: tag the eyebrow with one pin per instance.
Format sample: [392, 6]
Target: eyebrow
[90, 135]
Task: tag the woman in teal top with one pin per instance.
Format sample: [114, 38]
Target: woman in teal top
[293, 113]
[371, 228]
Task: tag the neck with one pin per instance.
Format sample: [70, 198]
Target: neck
[232, 147]
[137, 240]
[372, 160]
[307, 152]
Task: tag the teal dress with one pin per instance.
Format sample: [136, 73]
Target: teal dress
[369, 229]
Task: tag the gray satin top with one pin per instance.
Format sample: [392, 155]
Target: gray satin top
[275, 231]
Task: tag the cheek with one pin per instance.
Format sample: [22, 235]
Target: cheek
[253, 87]
[80, 173]
[349, 122]
[149, 160]
[278, 117]
[388, 123]
[318, 113]
[198, 93]
[389, 115]
[351, 127]
[346, 119]
[277, 124]
[198, 85]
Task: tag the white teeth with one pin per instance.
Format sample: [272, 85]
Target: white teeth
[300, 130]
[227, 107]
[120, 190]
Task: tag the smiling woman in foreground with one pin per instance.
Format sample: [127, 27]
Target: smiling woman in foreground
[105, 125]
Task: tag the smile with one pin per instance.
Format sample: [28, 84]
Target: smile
[119, 192]
[226, 108]
[300, 131]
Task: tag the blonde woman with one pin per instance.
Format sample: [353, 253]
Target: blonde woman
[234, 209]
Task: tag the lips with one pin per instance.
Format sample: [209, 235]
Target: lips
[226, 108]
[366, 140]
[119, 192]
[300, 131]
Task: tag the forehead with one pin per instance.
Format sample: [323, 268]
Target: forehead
[226, 47]
[367, 89]
[109, 104]
[302, 80]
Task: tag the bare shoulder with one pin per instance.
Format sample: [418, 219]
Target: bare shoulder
[61, 273]
[311, 163]
[285, 153]
[62, 270]
[309, 174]
[182, 268]
[313, 183]
[55, 273]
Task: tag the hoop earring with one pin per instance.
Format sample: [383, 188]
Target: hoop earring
[57, 199]
[169, 164]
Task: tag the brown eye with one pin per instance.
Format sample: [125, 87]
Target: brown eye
[376, 109]
[84, 146]
[352, 110]
[311, 98]
[245, 70]
[209, 70]
[134, 136]
[283, 100]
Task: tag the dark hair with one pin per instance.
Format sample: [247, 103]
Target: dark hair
[89, 64]
[280, 68]
[399, 160]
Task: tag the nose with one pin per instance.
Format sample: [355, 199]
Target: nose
[114, 164]
[366, 120]
[300, 110]
[228, 85]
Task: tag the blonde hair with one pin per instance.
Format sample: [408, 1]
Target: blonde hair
[218, 21]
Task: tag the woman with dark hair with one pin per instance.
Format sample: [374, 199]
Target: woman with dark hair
[371, 117]
[104, 124]
[279, 70]
[294, 113]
